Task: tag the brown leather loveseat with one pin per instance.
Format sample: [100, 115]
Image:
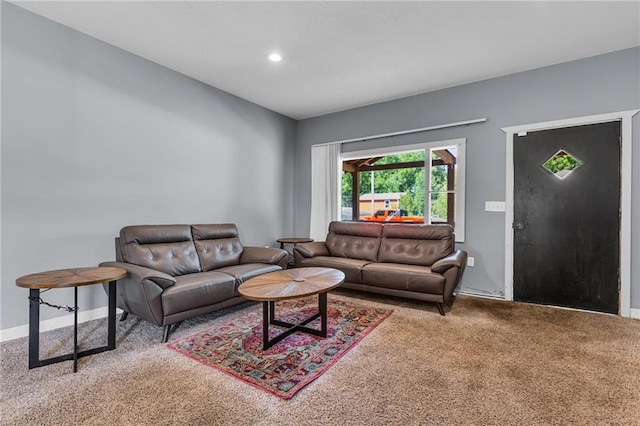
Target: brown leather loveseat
[176, 272]
[412, 261]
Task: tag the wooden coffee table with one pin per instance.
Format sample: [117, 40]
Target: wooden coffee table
[66, 278]
[291, 284]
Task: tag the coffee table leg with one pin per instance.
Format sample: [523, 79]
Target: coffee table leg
[265, 325]
[272, 312]
[322, 307]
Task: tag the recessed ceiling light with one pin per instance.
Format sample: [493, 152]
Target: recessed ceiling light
[274, 57]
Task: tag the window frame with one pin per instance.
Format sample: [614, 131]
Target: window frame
[460, 145]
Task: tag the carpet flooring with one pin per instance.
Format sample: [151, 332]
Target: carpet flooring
[488, 362]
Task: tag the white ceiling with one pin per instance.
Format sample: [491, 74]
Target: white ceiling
[340, 55]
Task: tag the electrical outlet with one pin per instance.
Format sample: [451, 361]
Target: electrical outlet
[494, 206]
[471, 262]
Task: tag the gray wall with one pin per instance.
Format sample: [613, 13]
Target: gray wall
[597, 85]
[95, 138]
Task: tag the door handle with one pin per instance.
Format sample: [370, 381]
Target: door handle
[519, 226]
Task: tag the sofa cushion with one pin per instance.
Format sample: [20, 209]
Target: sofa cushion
[165, 248]
[195, 290]
[217, 245]
[403, 277]
[415, 244]
[352, 268]
[242, 273]
[354, 240]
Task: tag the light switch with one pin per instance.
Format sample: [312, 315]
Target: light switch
[494, 206]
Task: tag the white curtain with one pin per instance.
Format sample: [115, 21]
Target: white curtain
[325, 178]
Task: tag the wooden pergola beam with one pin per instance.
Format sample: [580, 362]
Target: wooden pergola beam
[446, 156]
[413, 164]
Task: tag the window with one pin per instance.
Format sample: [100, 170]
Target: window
[397, 184]
[442, 184]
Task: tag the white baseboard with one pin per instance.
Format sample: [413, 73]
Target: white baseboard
[53, 323]
[483, 296]
[634, 313]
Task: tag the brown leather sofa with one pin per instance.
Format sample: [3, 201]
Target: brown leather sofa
[412, 261]
[176, 272]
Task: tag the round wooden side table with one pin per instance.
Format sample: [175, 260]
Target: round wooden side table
[293, 241]
[66, 278]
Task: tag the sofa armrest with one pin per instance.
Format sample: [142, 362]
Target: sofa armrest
[140, 292]
[456, 259]
[269, 255]
[140, 273]
[306, 250]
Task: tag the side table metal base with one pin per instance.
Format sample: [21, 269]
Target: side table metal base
[34, 331]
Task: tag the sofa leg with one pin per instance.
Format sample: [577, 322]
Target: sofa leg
[167, 328]
[440, 308]
[124, 316]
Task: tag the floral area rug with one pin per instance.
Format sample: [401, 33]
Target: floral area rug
[235, 348]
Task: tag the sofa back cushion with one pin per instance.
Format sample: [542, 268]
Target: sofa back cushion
[166, 248]
[354, 240]
[217, 245]
[415, 244]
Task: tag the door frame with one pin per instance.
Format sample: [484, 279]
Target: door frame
[625, 118]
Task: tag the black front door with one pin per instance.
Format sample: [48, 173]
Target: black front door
[566, 217]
